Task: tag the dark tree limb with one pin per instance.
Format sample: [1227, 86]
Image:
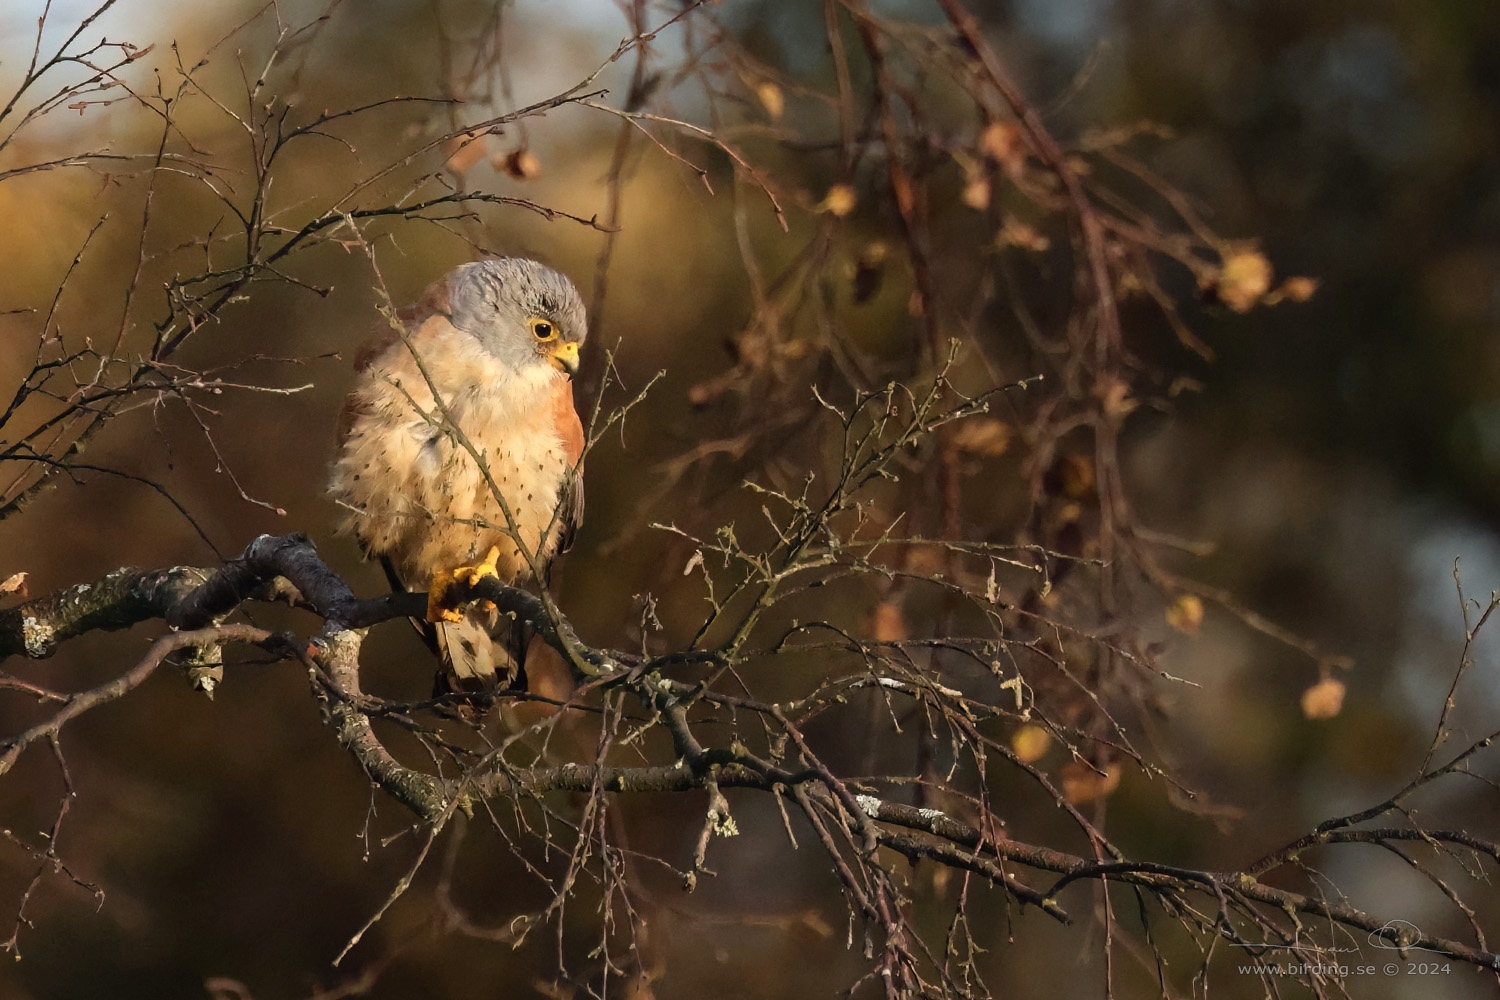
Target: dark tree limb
[119, 600]
[76, 705]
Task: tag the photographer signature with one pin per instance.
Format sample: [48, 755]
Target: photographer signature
[1388, 936]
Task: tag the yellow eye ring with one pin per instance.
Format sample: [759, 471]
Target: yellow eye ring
[542, 329]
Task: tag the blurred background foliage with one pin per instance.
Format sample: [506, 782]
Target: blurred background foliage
[1335, 456]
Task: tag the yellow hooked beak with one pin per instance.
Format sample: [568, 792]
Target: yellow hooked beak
[565, 357]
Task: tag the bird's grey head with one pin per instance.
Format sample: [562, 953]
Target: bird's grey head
[520, 311]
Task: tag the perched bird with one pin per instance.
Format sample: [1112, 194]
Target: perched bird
[488, 356]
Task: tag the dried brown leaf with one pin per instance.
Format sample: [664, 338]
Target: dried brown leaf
[1115, 395]
[1076, 476]
[887, 623]
[1015, 233]
[983, 436]
[771, 98]
[1004, 143]
[1030, 742]
[926, 560]
[1186, 614]
[1244, 279]
[1182, 384]
[869, 271]
[839, 201]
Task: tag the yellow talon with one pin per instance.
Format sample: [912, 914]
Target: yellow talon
[439, 607]
[473, 574]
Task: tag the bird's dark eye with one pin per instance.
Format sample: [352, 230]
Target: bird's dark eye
[542, 329]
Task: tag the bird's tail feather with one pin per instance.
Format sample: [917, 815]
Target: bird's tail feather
[475, 658]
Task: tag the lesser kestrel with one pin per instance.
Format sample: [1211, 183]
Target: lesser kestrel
[486, 362]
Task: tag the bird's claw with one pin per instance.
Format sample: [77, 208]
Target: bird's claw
[440, 606]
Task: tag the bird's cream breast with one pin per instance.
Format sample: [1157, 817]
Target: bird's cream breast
[416, 495]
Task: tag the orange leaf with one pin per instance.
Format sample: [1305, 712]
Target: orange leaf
[1296, 289]
[1324, 699]
[463, 152]
[1082, 783]
[902, 189]
[977, 193]
[521, 164]
[926, 560]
